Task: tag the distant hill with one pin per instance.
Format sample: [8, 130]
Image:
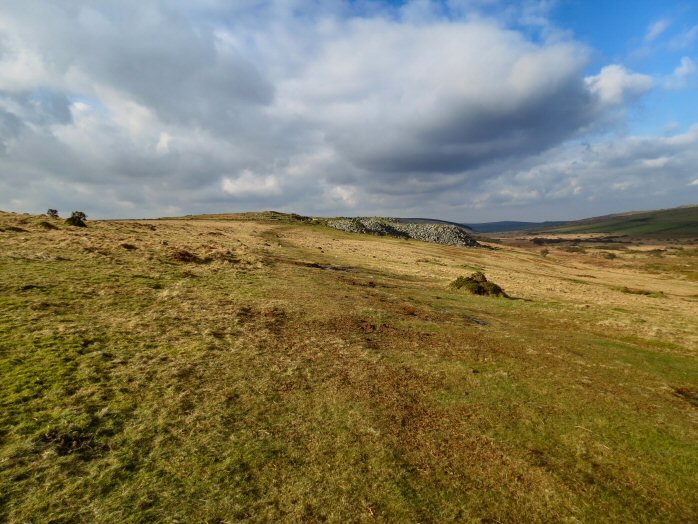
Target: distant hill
[680, 221]
[509, 225]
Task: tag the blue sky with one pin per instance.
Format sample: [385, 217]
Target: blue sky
[468, 110]
[620, 32]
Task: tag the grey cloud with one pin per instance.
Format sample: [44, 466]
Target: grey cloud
[468, 95]
[40, 106]
[153, 55]
[10, 127]
[471, 136]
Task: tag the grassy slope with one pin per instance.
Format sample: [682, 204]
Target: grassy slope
[682, 221]
[137, 388]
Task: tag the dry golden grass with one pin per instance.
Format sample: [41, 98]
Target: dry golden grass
[242, 368]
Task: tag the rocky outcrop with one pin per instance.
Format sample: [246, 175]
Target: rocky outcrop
[429, 232]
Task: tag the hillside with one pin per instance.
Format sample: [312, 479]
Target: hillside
[676, 222]
[265, 368]
[509, 225]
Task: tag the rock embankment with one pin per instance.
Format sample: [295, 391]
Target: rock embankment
[428, 232]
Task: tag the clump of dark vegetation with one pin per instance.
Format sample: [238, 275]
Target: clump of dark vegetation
[284, 217]
[477, 284]
[182, 255]
[128, 247]
[77, 219]
[222, 256]
[608, 255]
[656, 252]
[574, 249]
[47, 225]
[646, 292]
[15, 229]
[52, 213]
[687, 393]
[72, 441]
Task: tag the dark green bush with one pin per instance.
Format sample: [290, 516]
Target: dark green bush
[77, 219]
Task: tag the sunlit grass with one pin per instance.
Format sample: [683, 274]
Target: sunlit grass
[297, 373]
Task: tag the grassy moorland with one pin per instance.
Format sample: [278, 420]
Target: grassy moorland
[241, 368]
[664, 223]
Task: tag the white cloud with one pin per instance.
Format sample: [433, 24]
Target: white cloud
[656, 29]
[685, 39]
[438, 97]
[623, 173]
[345, 195]
[615, 85]
[163, 145]
[682, 76]
[248, 183]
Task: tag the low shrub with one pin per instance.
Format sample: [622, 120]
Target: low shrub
[77, 219]
[477, 284]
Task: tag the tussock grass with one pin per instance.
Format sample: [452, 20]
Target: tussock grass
[267, 385]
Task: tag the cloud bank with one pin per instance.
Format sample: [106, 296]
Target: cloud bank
[157, 108]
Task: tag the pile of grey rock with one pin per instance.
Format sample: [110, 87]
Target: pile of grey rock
[429, 232]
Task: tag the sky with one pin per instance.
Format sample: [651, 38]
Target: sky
[466, 110]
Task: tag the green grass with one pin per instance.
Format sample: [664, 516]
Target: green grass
[678, 222]
[136, 388]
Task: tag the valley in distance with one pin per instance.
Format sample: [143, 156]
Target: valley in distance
[271, 367]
